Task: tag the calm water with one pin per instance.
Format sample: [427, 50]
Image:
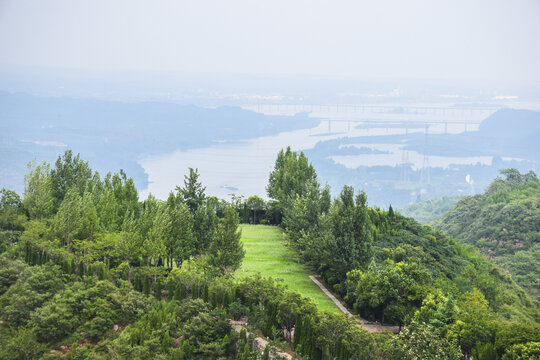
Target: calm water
[243, 167]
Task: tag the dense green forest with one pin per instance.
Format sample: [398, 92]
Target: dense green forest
[504, 223]
[90, 272]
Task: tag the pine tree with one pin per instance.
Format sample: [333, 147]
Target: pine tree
[266, 354]
[187, 348]
[205, 292]
[101, 272]
[170, 290]
[146, 288]
[167, 342]
[246, 353]
[243, 336]
[391, 214]
[192, 193]
[178, 293]
[81, 269]
[157, 292]
[297, 331]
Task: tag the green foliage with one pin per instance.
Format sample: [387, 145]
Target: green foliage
[503, 222]
[475, 322]
[182, 243]
[204, 228]
[484, 352]
[302, 216]
[430, 210]
[256, 205]
[515, 333]
[192, 194]
[10, 271]
[392, 292]
[266, 353]
[289, 178]
[38, 191]
[32, 289]
[21, 344]
[90, 267]
[420, 341]
[146, 286]
[12, 216]
[226, 251]
[351, 236]
[68, 220]
[69, 172]
[530, 350]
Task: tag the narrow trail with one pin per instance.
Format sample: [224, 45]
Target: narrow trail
[330, 295]
[371, 327]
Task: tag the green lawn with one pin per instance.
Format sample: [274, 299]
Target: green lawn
[268, 254]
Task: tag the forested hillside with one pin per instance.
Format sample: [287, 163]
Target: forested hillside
[429, 210]
[391, 268]
[504, 223]
[90, 272]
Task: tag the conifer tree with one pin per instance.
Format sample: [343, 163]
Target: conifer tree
[192, 194]
[178, 293]
[266, 353]
[146, 288]
[158, 293]
[137, 282]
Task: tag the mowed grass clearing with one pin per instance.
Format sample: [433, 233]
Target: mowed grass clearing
[268, 254]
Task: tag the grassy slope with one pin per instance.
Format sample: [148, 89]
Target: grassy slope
[267, 253]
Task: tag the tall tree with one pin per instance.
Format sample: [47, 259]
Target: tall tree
[144, 226]
[129, 243]
[68, 219]
[351, 229]
[302, 215]
[193, 192]
[125, 193]
[226, 251]
[38, 191]
[204, 227]
[157, 235]
[89, 217]
[107, 209]
[291, 173]
[181, 245]
[69, 171]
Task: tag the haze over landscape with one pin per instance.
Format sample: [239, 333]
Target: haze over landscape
[336, 121]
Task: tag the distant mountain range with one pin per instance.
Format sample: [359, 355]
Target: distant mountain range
[114, 135]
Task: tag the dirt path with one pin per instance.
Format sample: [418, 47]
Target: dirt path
[330, 295]
[371, 327]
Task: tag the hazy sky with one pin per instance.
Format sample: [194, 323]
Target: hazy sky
[494, 39]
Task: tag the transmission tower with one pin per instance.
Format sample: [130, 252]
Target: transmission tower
[405, 160]
[424, 175]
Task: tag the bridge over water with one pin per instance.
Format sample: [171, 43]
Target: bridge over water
[468, 117]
